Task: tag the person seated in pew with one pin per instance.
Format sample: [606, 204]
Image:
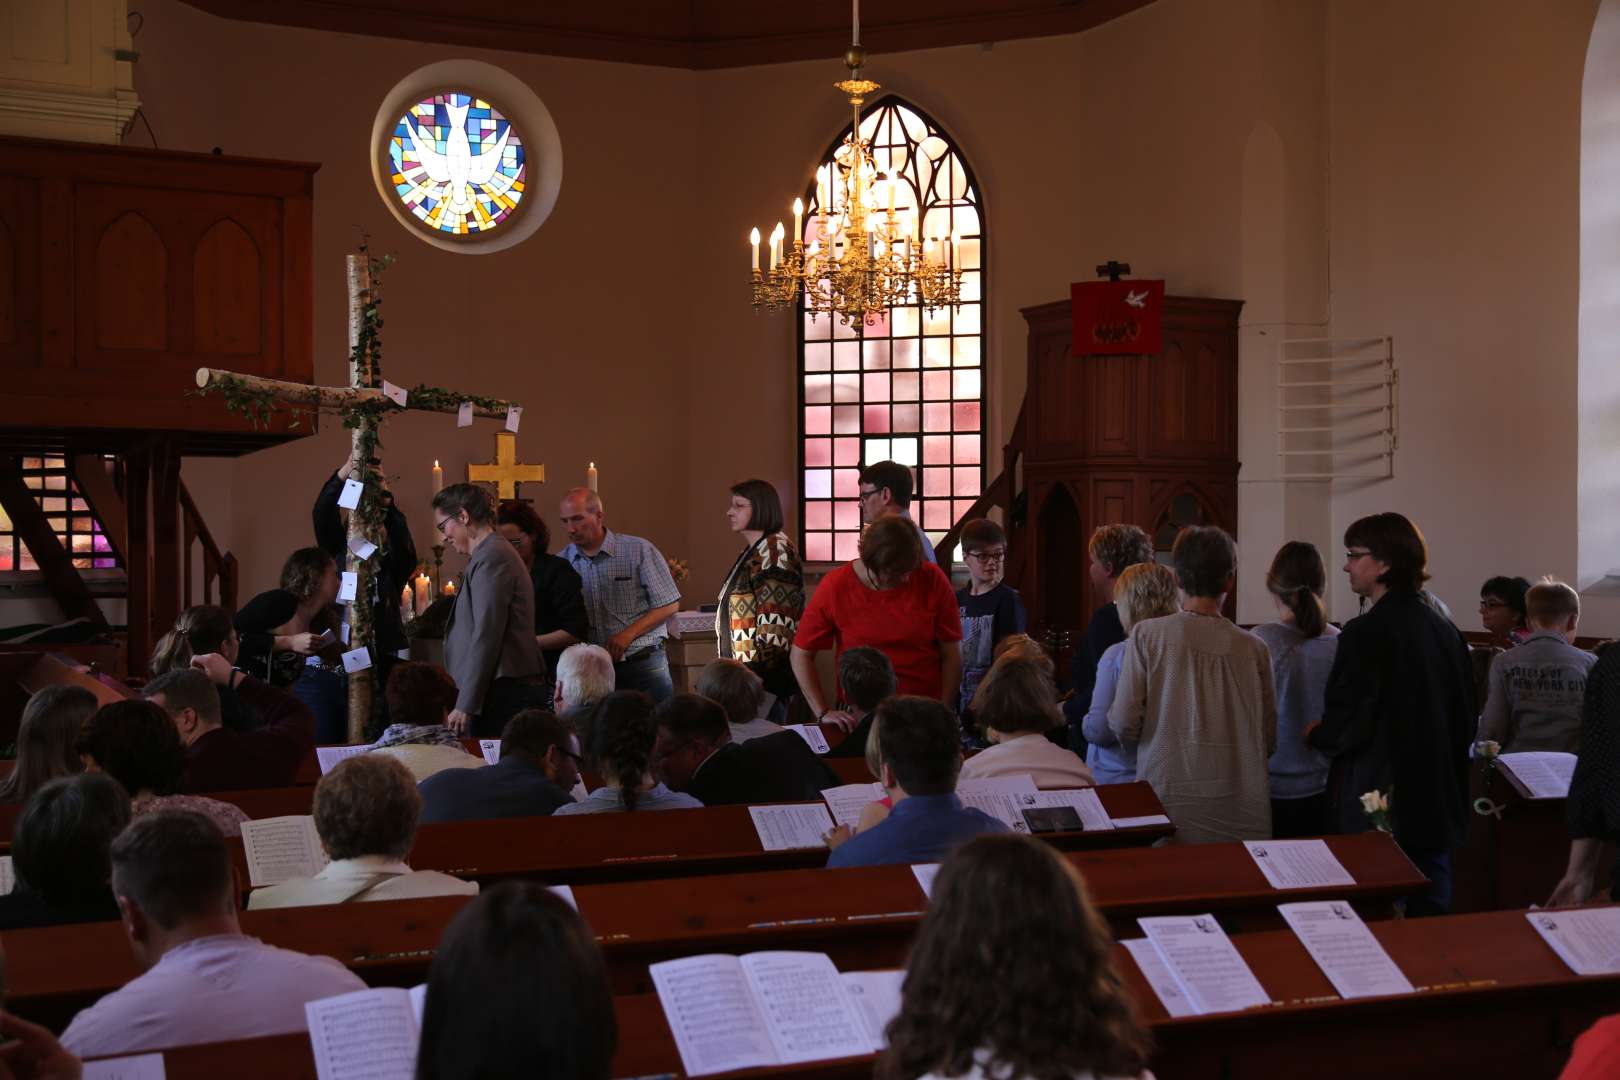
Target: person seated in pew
[1142, 591]
[48, 740]
[1537, 688]
[538, 767]
[695, 754]
[553, 1015]
[584, 677]
[203, 979]
[1016, 703]
[619, 742]
[365, 812]
[921, 757]
[203, 629]
[59, 853]
[218, 758]
[866, 680]
[1593, 806]
[420, 696]
[136, 744]
[1596, 1055]
[737, 690]
[1010, 917]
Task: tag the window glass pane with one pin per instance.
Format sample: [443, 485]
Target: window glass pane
[936, 449]
[904, 451]
[967, 319]
[965, 482]
[876, 353]
[937, 417]
[907, 386]
[937, 352]
[818, 451]
[875, 418]
[965, 416]
[936, 482]
[846, 452]
[846, 387]
[818, 420]
[905, 353]
[817, 483]
[965, 385]
[818, 547]
[965, 350]
[847, 515]
[937, 321]
[876, 388]
[936, 385]
[966, 449]
[906, 417]
[818, 515]
[847, 483]
[846, 419]
[848, 546]
[847, 356]
[877, 450]
[906, 322]
[817, 389]
[817, 357]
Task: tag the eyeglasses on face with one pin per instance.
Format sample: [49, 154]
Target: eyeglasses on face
[988, 556]
[1486, 603]
[441, 525]
[867, 493]
[1353, 554]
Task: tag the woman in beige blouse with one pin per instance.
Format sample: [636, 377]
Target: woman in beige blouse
[1195, 695]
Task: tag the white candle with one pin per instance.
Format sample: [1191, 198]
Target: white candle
[753, 239]
[405, 607]
[591, 476]
[798, 220]
[422, 597]
[438, 477]
[449, 588]
[955, 253]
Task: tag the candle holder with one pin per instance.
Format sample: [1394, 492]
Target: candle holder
[438, 569]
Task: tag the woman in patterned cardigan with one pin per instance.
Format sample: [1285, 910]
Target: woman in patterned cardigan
[763, 597]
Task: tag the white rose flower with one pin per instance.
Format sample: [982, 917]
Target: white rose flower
[1369, 802]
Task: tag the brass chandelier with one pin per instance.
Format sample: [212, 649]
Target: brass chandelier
[862, 258]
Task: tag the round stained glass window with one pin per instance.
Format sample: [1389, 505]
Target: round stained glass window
[466, 156]
[459, 164]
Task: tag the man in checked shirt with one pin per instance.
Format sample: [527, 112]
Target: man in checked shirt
[629, 594]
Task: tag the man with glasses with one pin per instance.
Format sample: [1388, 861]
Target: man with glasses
[489, 646]
[538, 767]
[886, 490]
[991, 609]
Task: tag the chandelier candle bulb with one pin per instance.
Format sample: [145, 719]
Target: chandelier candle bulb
[956, 242]
[798, 221]
[753, 238]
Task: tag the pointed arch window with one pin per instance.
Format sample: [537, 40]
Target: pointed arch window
[908, 387]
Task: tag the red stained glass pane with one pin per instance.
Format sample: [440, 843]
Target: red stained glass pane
[967, 449]
[847, 356]
[818, 420]
[963, 508]
[936, 449]
[937, 417]
[906, 417]
[965, 415]
[848, 546]
[876, 354]
[818, 515]
[847, 515]
[846, 452]
[907, 385]
[905, 353]
[937, 515]
[875, 419]
[936, 482]
[877, 388]
[846, 419]
[817, 452]
[846, 387]
[817, 357]
[817, 389]
[965, 482]
[847, 483]
[936, 385]
[818, 547]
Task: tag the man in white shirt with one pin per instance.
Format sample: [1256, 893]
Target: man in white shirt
[204, 981]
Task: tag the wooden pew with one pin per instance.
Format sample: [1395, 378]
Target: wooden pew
[1513, 858]
[1494, 1000]
[863, 918]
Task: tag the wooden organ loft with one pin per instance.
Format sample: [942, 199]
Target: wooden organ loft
[122, 271]
[1146, 440]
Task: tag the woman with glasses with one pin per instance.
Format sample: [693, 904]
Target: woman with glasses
[763, 597]
[1502, 610]
[989, 607]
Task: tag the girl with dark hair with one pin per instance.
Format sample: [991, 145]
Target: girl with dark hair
[59, 849]
[1502, 610]
[559, 598]
[283, 640]
[618, 744]
[763, 597]
[136, 744]
[1303, 644]
[553, 1018]
[205, 628]
[47, 740]
[1008, 912]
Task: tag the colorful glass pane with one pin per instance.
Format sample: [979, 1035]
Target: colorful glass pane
[457, 164]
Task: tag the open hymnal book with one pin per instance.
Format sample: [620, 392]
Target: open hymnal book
[138, 1067]
[367, 1035]
[771, 1008]
[1544, 773]
[1587, 939]
[791, 826]
[991, 796]
[1207, 969]
[329, 756]
[8, 875]
[282, 848]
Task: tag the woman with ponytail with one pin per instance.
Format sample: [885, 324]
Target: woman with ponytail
[200, 630]
[618, 742]
[1302, 644]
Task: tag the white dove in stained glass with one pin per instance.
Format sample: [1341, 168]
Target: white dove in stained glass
[457, 166]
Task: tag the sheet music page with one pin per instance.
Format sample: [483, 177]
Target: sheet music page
[1083, 801]
[847, 802]
[876, 997]
[925, 874]
[418, 1002]
[812, 734]
[712, 1014]
[139, 1067]
[8, 875]
[993, 796]
[566, 893]
[1158, 976]
[1298, 864]
[1346, 951]
[1586, 939]
[1140, 822]
[806, 1010]
[281, 848]
[366, 1035]
[329, 756]
[1545, 772]
[786, 828]
[491, 749]
[1205, 964]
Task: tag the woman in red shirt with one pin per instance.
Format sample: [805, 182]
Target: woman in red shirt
[892, 600]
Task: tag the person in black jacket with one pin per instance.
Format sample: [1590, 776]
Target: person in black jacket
[395, 563]
[1593, 806]
[538, 766]
[1399, 714]
[695, 754]
[559, 596]
[1113, 548]
[59, 851]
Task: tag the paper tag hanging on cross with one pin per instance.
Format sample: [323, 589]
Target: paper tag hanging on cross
[505, 472]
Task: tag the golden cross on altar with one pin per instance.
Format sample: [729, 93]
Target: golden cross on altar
[505, 472]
